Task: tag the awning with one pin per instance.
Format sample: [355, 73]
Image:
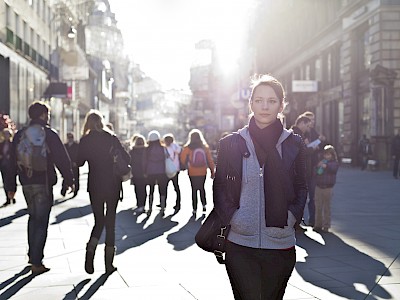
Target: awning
[56, 89]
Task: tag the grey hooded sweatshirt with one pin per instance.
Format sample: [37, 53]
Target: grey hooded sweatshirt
[248, 226]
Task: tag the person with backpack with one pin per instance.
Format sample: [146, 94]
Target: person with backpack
[197, 155]
[36, 151]
[104, 187]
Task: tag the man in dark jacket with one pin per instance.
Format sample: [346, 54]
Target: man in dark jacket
[396, 154]
[37, 186]
[365, 150]
[72, 148]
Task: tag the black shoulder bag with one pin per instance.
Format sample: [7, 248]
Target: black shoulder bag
[212, 234]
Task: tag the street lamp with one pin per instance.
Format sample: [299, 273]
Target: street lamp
[71, 32]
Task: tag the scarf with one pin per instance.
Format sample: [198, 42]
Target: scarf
[265, 141]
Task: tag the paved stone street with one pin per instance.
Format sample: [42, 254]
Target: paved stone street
[158, 259]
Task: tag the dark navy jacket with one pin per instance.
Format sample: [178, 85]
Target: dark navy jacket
[228, 176]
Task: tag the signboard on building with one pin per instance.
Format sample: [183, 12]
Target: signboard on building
[304, 86]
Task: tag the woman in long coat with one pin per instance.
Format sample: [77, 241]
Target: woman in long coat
[138, 180]
[155, 155]
[103, 187]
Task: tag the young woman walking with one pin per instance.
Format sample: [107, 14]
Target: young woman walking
[103, 187]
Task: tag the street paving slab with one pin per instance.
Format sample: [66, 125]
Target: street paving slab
[157, 257]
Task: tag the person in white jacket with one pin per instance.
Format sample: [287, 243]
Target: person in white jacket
[174, 150]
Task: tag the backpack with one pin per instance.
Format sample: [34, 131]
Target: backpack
[199, 158]
[32, 150]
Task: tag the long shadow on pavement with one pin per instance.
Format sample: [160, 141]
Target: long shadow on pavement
[73, 213]
[335, 266]
[73, 294]
[94, 287]
[18, 285]
[17, 214]
[135, 234]
[184, 237]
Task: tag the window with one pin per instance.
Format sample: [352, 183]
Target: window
[318, 69]
[363, 50]
[379, 112]
[307, 75]
[366, 115]
[329, 69]
[32, 39]
[367, 50]
[9, 13]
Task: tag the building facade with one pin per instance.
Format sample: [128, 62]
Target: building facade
[351, 51]
[24, 55]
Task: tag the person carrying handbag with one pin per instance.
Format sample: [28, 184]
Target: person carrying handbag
[260, 193]
[103, 186]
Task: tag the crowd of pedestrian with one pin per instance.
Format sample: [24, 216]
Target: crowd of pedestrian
[262, 211]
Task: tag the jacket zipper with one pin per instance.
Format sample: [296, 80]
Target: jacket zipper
[261, 174]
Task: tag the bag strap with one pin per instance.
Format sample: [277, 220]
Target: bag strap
[167, 153]
[221, 241]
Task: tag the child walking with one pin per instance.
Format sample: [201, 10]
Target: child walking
[325, 180]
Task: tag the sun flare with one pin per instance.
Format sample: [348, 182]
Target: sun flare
[161, 35]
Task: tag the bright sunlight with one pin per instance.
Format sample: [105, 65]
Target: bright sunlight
[160, 35]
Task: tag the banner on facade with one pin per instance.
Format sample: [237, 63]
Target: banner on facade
[74, 65]
[304, 86]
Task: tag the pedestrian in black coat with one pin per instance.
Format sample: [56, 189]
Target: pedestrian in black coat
[72, 149]
[139, 180]
[103, 187]
[396, 154]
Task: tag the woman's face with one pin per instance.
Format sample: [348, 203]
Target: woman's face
[265, 105]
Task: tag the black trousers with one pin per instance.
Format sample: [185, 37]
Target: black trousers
[102, 219]
[177, 190]
[258, 274]
[140, 191]
[197, 183]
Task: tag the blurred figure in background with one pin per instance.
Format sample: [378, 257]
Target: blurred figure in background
[365, 150]
[326, 171]
[138, 180]
[396, 154]
[72, 149]
[174, 151]
[155, 169]
[312, 137]
[198, 155]
[5, 163]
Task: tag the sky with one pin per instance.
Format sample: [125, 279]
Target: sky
[160, 34]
